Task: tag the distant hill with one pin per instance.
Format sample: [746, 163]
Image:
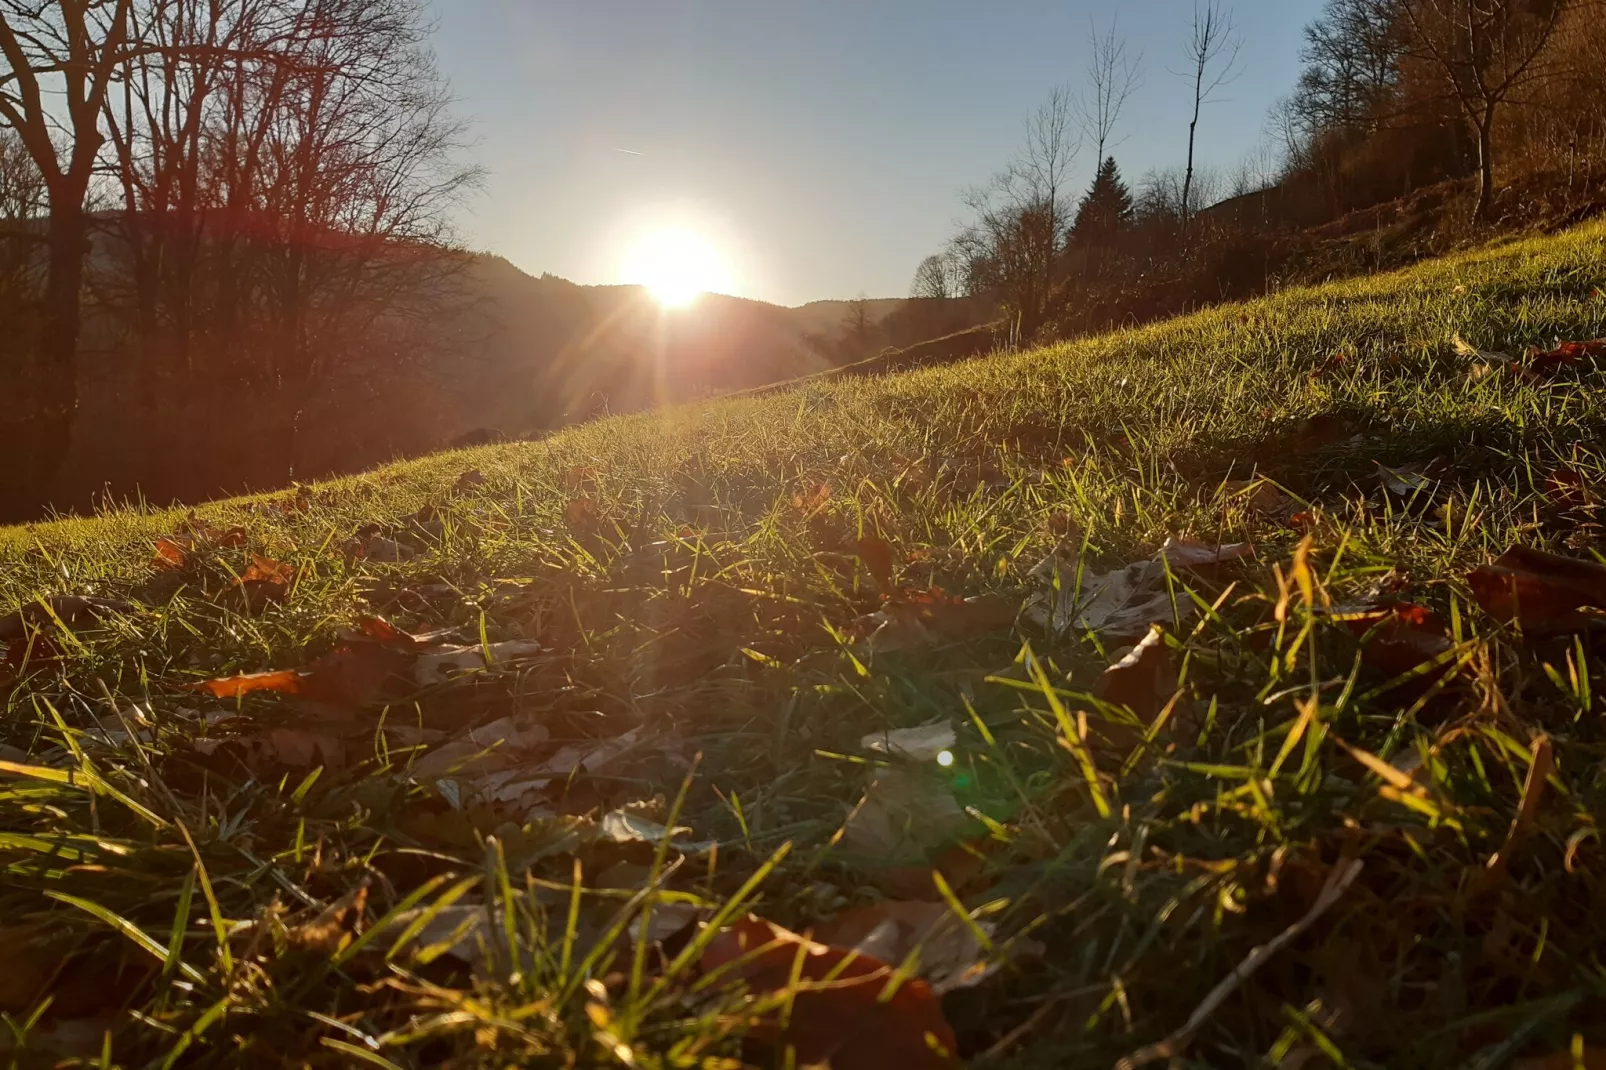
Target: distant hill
[517, 353]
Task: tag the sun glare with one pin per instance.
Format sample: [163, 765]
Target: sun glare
[676, 265]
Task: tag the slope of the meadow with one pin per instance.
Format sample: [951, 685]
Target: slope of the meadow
[542, 754]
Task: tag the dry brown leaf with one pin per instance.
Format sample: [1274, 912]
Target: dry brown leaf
[951, 956]
[877, 555]
[905, 815]
[838, 1016]
[1144, 680]
[442, 664]
[1546, 593]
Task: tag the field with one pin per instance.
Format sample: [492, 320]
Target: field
[540, 754]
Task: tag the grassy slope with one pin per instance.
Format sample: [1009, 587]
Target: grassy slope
[971, 471]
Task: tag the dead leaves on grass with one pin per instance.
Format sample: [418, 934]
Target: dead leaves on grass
[1543, 593]
[376, 661]
[845, 1009]
[1121, 603]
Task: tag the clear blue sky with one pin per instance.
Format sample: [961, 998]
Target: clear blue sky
[821, 144]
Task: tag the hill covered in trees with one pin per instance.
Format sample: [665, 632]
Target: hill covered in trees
[1416, 126]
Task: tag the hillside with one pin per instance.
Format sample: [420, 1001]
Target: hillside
[510, 352]
[857, 659]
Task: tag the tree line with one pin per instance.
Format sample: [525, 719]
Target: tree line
[247, 199]
[1393, 96]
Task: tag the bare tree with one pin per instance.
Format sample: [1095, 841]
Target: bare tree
[59, 60]
[939, 276]
[1112, 77]
[1485, 53]
[1021, 218]
[1212, 54]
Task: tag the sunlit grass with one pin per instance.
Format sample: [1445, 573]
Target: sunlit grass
[697, 596]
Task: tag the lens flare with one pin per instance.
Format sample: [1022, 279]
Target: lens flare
[676, 264]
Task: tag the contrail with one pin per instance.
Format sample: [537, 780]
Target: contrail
[630, 152]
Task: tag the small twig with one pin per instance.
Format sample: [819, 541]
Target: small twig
[1175, 1044]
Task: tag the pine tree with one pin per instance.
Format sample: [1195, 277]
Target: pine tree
[1106, 210]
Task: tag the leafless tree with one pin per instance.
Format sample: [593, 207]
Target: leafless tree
[939, 276]
[59, 60]
[1485, 52]
[1020, 219]
[1212, 62]
[1112, 77]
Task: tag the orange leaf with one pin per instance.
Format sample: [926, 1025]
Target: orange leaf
[876, 553]
[840, 1013]
[170, 554]
[284, 681]
[265, 570]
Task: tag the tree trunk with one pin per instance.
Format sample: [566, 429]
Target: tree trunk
[1485, 169]
[36, 428]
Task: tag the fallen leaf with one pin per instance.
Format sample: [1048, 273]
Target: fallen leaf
[170, 554]
[581, 515]
[265, 570]
[441, 665]
[283, 681]
[813, 499]
[468, 480]
[483, 749]
[922, 744]
[1120, 603]
[877, 555]
[1543, 592]
[625, 826]
[1396, 637]
[950, 954]
[1144, 680]
[1410, 480]
[839, 1011]
[1260, 495]
[1568, 488]
[1190, 553]
[1546, 362]
[593, 756]
[906, 813]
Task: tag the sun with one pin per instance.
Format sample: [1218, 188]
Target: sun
[676, 265]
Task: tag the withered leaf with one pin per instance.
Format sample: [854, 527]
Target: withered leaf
[1543, 592]
[877, 555]
[838, 1015]
[1144, 680]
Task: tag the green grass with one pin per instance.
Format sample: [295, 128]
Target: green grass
[165, 903]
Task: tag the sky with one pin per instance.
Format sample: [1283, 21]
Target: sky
[813, 149]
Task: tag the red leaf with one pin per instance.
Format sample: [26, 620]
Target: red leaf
[1566, 355]
[838, 1016]
[877, 555]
